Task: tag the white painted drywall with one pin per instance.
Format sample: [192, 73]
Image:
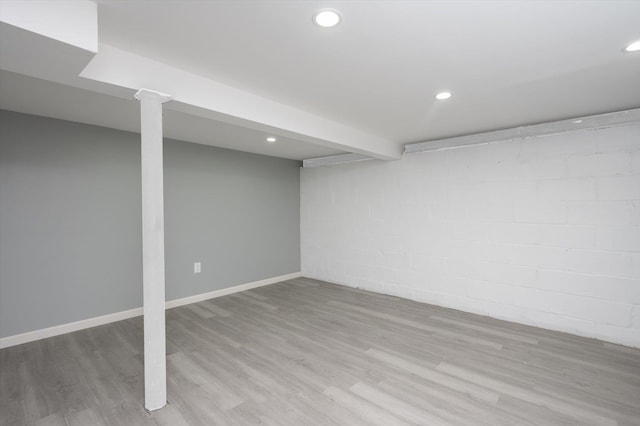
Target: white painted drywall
[197, 95]
[542, 231]
[74, 22]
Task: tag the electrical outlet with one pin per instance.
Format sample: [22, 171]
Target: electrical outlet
[197, 267]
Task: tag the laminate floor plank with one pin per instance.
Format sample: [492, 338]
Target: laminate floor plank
[305, 352]
[451, 406]
[55, 419]
[582, 415]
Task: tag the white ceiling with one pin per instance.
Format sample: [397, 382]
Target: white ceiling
[508, 63]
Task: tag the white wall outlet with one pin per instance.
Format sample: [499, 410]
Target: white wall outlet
[197, 267]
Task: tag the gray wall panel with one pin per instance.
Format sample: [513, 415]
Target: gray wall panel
[70, 220]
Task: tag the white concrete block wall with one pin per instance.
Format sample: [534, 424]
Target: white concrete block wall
[542, 231]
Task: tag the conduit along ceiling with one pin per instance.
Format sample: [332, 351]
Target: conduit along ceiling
[244, 71]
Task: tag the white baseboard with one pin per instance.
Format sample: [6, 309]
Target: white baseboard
[18, 339]
[229, 290]
[57, 330]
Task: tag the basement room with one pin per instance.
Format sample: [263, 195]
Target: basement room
[319, 212]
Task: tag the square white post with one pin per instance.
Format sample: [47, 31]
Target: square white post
[155, 363]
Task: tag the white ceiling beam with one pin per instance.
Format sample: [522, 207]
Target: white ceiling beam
[198, 95]
[46, 39]
[74, 22]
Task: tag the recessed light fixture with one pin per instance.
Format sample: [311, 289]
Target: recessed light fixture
[271, 139]
[577, 121]
[633, 47]
[443, 95]
[327, 18]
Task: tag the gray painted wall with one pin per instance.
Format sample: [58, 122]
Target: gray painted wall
[70, 231]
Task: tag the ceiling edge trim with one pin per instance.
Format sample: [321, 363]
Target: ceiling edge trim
[333, 160]
[612, 119]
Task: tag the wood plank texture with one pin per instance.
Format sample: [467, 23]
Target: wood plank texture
[304, 352]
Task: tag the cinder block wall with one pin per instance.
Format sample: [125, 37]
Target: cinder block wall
[542, 231]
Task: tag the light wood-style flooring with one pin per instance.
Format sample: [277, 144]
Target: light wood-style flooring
[303, 352]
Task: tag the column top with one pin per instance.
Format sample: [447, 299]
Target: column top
[152, 94]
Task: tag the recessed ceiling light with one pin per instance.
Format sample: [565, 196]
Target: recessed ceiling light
[577, 121]
[271, 139]
[443, 95]
[327, 18]
[633, 47]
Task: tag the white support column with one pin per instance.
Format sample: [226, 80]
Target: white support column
[155, 363]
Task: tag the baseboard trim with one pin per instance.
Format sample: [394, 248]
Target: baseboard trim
[230, 290]
[31, 336]
[57, 330]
